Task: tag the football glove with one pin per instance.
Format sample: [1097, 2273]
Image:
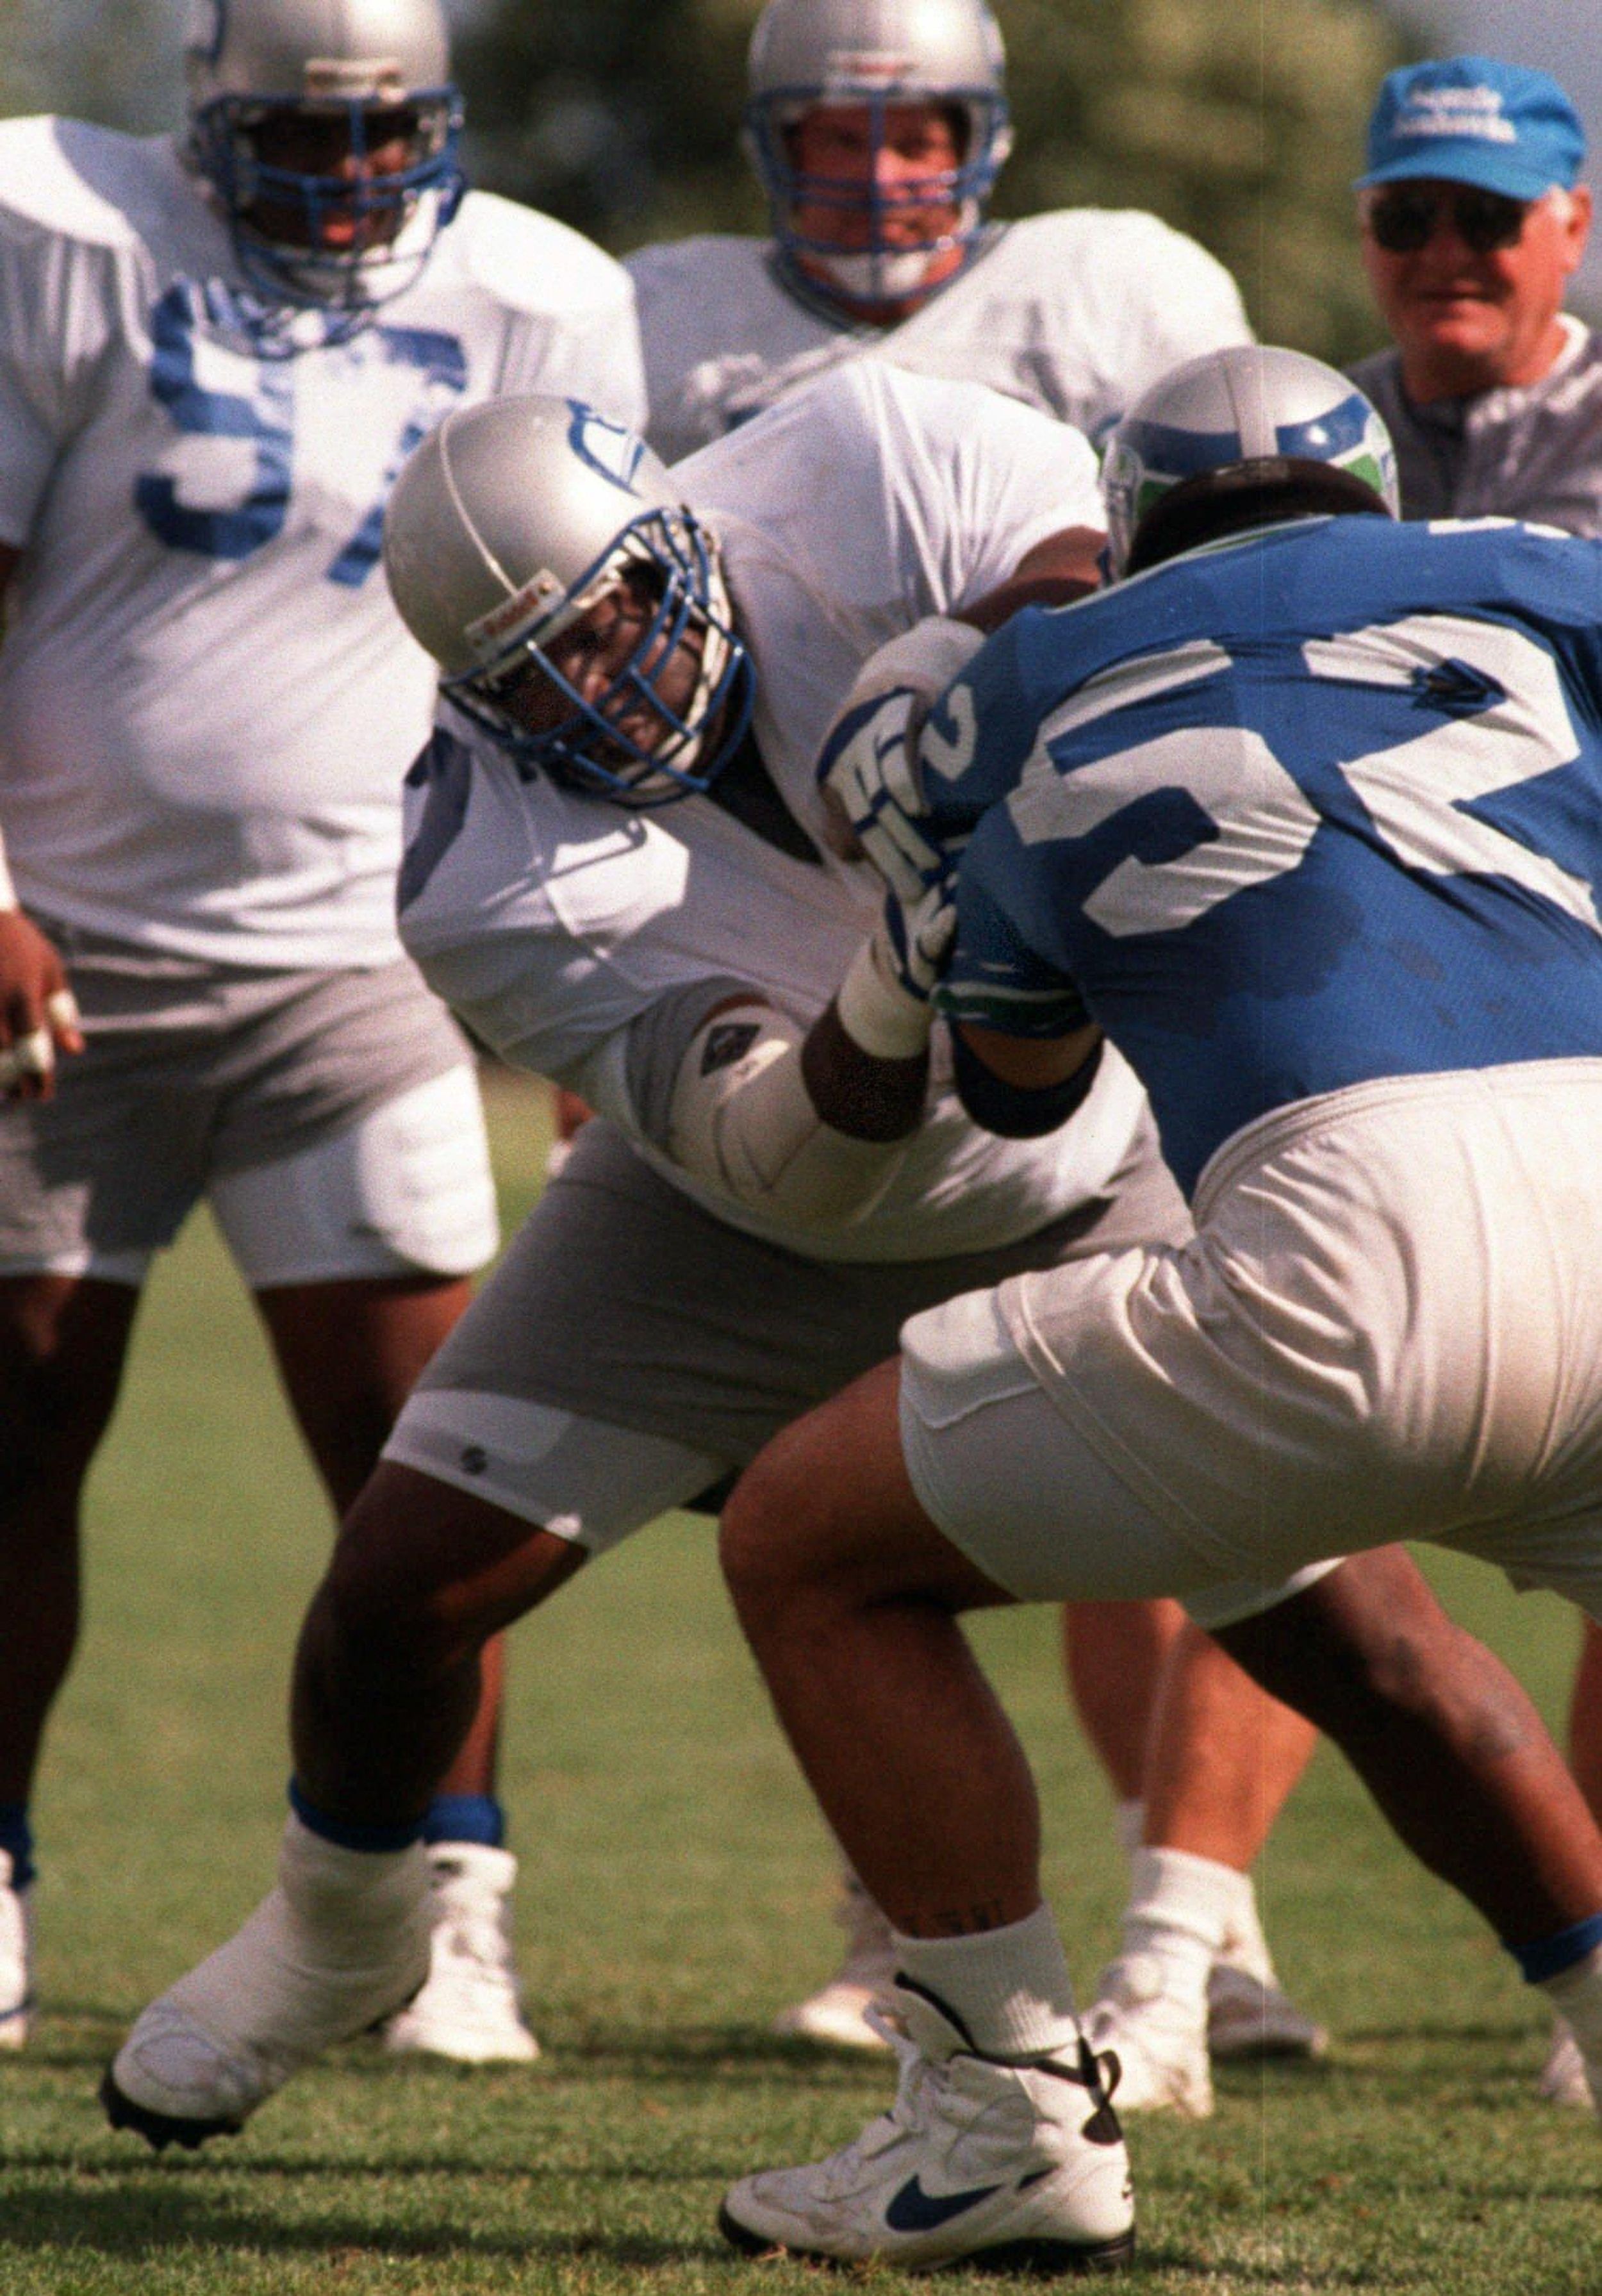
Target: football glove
[868, 771]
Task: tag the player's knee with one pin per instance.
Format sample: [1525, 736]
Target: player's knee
[385, 1595]
[1413, 1669]
[768, 1558]
[53, 1410]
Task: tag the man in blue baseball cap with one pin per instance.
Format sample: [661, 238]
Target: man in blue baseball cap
[1474, 220]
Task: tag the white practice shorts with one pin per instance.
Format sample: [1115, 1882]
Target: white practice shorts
[330, 1119]
[407, 1190]
[1388, 1325]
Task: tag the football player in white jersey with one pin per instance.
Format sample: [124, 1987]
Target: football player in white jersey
[877, 128]
[618, 870]
[216, 353]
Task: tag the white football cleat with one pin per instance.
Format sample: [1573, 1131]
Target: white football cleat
[1017, 2165]
[1562, 2079]
[1159, 2038]
[1249, 2015]
[342, 1941]
[837, 2012]
[16, 1958]
[470, 2009]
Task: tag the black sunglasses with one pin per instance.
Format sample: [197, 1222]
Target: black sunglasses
[1406, 216]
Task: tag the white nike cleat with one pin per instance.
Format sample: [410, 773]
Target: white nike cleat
[1159, 2038]
[1250, 2016]
[1562, 2079]
[16, 1958]
[1018, 2165]
[837, 2012]
[470, 2009]
[342, 1941]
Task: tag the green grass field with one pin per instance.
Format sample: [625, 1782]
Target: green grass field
[676, 1883]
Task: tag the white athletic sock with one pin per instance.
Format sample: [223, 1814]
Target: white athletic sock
[1576, 1995]
[1244, 1945]
[1128, 1823]
[1180, 1909]
[1010, 1987]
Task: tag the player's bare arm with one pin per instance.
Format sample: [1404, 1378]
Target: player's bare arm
[1023, 1087]
[1031, 1063]
[1057, 571]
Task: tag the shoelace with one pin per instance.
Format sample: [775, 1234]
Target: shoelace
[917, 2080]
[472, 1929]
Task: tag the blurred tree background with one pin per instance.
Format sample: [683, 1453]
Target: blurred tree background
[1240, 125]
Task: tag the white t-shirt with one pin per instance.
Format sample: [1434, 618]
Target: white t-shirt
[1075, 312]
[208, 702]
[558, 925]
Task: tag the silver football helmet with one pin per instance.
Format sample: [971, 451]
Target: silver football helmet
[512, 521]
[334, 78]
[1248, 422]
[875, 53]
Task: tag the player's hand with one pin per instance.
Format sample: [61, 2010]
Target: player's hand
[868, 771]
[872, 797]
[39, 1015]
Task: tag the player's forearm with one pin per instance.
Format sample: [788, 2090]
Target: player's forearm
[812, 1129]
[1020, 1088]
[807, 1130]
[863, 1095]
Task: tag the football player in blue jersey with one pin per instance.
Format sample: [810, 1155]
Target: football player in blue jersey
[1301, 815]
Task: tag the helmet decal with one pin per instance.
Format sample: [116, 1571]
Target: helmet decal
[608, 449]
[1246, 405]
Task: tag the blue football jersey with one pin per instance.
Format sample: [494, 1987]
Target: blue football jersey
[1288, 815]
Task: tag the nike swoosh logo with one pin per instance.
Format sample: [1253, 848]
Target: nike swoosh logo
[913, 2209]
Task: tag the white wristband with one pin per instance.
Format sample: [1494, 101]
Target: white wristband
[880, 1017]
[8, 891]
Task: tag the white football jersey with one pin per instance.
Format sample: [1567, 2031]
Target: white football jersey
[557, 924]
[1075, 312]
[208, 702]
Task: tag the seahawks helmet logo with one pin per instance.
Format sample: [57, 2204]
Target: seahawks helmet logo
[608, 448]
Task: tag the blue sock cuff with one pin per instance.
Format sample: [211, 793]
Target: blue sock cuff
[1549, 1956]
[465, 1817]
[371, 1838]
[16, 1835]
